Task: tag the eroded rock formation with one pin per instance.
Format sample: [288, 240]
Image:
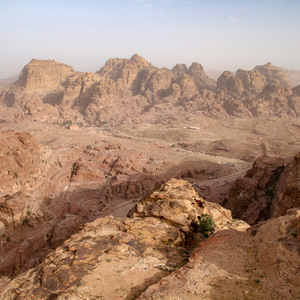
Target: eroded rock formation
[47, 194]
[147, 256]
[127, 90]
[121, 257]
[268, 190]
[235, 264]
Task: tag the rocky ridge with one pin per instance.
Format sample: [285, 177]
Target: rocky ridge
[127, 90]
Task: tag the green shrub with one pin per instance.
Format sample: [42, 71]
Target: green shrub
[206, 225]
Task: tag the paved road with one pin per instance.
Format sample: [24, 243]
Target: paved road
[229, 178]
[121, 210]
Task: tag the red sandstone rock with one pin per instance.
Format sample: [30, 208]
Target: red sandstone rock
[268, 190]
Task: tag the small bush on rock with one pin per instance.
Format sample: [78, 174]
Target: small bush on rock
[206, 225]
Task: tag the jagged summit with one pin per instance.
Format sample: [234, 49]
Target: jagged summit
[137, 57]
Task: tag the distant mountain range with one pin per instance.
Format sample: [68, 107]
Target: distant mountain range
[133, 90]
[8, 81]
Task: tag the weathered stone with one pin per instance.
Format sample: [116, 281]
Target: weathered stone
[268, 190]
[121, 257]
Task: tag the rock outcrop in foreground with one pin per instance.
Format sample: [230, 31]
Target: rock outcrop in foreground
[146, 256]
[268, 190]
[114, 258]
[261, 263]
[131, 90]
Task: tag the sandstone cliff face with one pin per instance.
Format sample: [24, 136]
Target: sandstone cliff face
[43, 74]
[178, 70]
[268, 190]
[296, 90]
[196, 71]
[287, 192]
[20, 162]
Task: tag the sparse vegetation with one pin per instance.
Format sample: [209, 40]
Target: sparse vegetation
[206, 225]
[100, 124]
[75, 168]
[68, 122]
[16, 175]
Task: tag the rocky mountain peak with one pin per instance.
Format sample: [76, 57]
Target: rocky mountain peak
[252, 80]
[179, 69]
[133, 87]
[230, 82]
[269, 65]
[44, 74]
[124, 71]
[274, 75]
[137, 57]
[196, 68]
[197, 72]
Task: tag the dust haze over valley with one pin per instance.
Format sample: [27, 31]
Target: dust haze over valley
[107, 177]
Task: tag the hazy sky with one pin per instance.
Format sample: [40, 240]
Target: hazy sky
[219, 34]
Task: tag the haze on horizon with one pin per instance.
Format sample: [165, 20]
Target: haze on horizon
[221, 35]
